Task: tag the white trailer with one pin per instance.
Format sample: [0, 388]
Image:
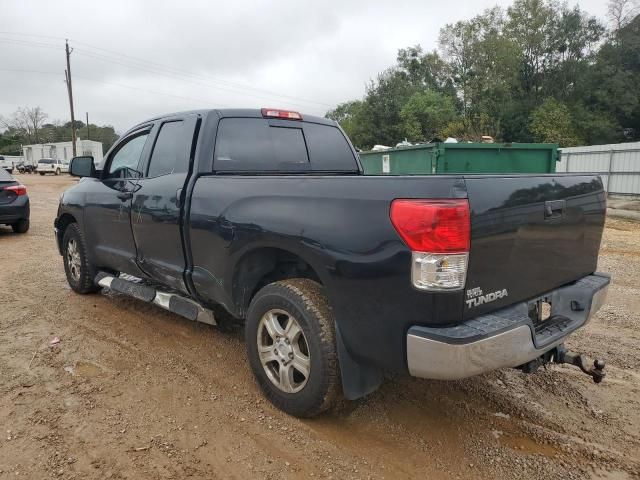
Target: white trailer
[62, 151]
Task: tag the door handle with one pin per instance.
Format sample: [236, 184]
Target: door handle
[554, 208]
[125, 196]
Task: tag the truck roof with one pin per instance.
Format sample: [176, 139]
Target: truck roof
[232, 112]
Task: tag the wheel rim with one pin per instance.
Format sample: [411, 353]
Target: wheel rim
[73, 259]
[283, 351]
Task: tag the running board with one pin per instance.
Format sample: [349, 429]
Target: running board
[172, 302]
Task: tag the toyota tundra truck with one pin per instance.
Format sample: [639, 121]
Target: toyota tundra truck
[265, 216]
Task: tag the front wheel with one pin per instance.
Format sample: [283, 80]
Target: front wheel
[42, 174]
[57, 171]
[291, 344]
[79, 270]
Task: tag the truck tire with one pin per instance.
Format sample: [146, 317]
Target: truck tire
[57, 171]
[291, 344]
[21, 227]
[42, 173]
[80, 272]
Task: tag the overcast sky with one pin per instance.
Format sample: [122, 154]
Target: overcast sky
[133, 60]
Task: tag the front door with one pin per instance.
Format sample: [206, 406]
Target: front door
[156, 215]
[107, 218]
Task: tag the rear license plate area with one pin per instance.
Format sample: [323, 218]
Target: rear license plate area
[540, 312]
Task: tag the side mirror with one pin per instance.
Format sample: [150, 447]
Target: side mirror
[82, 167]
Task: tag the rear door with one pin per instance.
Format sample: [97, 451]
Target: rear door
[529, 235]
[158, 201]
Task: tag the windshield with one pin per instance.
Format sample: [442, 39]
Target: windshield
[47, 161]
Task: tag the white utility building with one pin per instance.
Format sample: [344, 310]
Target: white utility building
[62, 151]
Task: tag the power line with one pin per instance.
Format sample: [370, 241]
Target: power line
[207, 77]
[174, 77]
[161, 69]
[119, 85]
[22, 34]
[28, 43]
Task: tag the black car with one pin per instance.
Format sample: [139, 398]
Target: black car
[14, 203]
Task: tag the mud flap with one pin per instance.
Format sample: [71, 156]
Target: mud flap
[358, 380]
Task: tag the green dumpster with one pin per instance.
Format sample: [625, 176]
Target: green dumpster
[447, 158]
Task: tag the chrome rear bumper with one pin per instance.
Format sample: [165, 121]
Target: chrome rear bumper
[506, 338]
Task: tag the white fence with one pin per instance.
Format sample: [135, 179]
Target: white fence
[618, 164]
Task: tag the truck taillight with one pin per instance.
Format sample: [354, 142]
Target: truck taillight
[438, 233]
[284, 114]
[19, 190]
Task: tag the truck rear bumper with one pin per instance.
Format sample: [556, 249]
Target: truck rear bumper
[505, 338]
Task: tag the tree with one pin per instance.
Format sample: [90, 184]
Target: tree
[425, 70]
[621, 12]
[551, 122]
[426, 114]
[27, 125]
[484, 64]
[28, 121]
[499, 71]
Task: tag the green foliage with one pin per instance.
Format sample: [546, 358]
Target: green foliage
[20, 131]
[508, 74]
[551, 122]
[426, 114]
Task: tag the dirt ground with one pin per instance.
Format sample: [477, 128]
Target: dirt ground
[134, 392]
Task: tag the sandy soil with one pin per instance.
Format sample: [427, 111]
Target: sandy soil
[134, 392]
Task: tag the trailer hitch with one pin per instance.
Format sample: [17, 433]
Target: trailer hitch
[561, 355]
[582, 362]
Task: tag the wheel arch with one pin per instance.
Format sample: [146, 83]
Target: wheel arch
[263, 265]
[62, 223]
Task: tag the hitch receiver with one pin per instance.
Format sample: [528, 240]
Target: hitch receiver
[561, 355]
[582, 362]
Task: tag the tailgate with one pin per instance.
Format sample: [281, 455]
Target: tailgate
[529, 235]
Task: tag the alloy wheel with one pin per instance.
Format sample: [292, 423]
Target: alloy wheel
[73, 259]
[283, 351]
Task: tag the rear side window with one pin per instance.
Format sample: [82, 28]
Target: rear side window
[168, 155]
[328, 148]
[252, 144]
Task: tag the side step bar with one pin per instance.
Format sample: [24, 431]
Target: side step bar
[177, 304]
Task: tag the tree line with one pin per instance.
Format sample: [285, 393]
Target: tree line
[539, 71]
[28, 126]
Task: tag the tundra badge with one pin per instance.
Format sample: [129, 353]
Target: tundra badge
[476, 298]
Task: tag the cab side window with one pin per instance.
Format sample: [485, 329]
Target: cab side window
[124, 162]
[169, 154]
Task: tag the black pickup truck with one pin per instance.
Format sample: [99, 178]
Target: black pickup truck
[265, 216]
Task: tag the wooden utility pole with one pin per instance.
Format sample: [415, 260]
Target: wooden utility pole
[67, 74]
[88, 126]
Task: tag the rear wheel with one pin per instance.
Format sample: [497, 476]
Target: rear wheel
[79, 270]
[290, 339]
[21, 227]
[42, 173]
